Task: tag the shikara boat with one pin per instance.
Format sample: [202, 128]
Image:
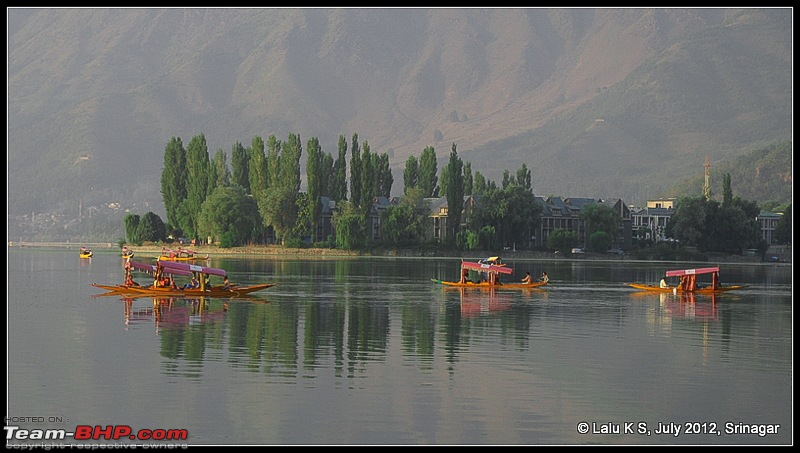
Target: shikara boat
[492, 268]
[170, 269]
[180, 255]
[85, 253]
[469, 284]
[688, 282]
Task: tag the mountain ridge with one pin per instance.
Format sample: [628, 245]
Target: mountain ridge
[579, 95]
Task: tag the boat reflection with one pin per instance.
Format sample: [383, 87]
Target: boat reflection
[174, 312]
[688, 305]
[479, 303]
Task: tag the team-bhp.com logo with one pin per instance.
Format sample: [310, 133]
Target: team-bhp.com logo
[86, 432]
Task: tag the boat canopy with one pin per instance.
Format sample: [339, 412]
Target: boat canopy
[151, 269]
[169, 266]
[699, 271]
[485, 267]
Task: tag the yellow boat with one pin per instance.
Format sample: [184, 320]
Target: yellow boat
[169, 269]
[688, 282]
[492, 267]
[85, 253]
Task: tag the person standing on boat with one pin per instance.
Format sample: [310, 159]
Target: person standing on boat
[527, 278]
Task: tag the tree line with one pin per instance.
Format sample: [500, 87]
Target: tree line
[258, 200]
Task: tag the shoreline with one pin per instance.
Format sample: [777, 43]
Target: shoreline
[417, 253]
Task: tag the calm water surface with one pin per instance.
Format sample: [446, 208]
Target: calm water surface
[368, 351]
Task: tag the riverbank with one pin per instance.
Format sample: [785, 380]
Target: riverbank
[155, 250]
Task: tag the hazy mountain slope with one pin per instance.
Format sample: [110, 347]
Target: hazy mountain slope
[94, 95]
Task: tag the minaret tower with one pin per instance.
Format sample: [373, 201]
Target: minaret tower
[707, 183]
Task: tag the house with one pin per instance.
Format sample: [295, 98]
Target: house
[564, 213]
[651, 222]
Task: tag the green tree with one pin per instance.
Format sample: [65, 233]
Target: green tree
[524, 177]
[221, 172]
[327, 179]
[600, 242]
[197, 185]
[314, 178]
[240, 164]
[468, 178]
[427, 172]
[258, 176]
[350, 226]
[727, 192]
[454, 193]
[229, 213]
[479, 185]
[355, 171]
[274, 152]
[151, 228]
[339, 186]
[410, 174]
[600, 217]
[783, 231]
[384, 176]
[562, 240]
[132, 228]
[173, 179]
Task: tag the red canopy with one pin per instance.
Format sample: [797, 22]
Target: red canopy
[702, 270]
[486, 267]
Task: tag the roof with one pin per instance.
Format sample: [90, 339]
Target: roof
[698, 271]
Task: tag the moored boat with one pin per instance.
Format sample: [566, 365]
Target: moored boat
[688, 282]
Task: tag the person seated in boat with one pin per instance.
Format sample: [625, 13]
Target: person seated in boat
[527, 278]
[544, 277]
[192, 284]
[663, 284]
[226, 284]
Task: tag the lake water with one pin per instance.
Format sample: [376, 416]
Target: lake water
[368, 351]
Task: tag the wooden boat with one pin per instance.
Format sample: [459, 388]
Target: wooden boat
[468, 284]
[180, 255]
[492, 267]
[215, 291]
[85, 253]
[688, 282]
[172, 268]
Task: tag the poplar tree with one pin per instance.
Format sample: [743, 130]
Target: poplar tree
[197, 185]
[410, 174]
[258, 170]
[222, 176]
[427, 172]
[315, 177]
[355, 171]
[454, 193]
[240, 165]
[467, 178]
[339, 184]
[173, 179]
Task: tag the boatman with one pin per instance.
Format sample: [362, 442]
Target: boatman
[663, 284]
[527, 278]
[544, 278]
